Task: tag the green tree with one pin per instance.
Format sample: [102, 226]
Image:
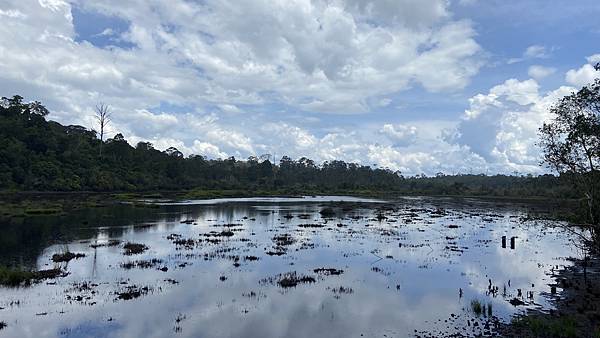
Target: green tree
[571, 146]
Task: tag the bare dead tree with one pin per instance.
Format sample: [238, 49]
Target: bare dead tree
[103, 116]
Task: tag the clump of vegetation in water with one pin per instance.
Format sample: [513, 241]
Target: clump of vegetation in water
[292, 279]
[66, 256]
[289, 279]
[329, 271]
[134, 248]
[16, 277]
[2, 325]
[327, 212]
[132, 292]
[144, 264]
[477, 307]
[284, 240]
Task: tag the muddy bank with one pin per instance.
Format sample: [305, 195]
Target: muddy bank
[577, 311]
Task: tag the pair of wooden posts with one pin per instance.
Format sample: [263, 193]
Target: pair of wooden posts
[512, 242]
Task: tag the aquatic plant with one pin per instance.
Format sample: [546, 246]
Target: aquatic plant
[477, 307]
[134, 248]
[66, 256]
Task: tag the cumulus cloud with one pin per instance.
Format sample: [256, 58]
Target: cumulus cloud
[502, 125]
[539, 72]
[209, 150]
[401, 135]
[582, 76]
[326, 56]
[236, 71]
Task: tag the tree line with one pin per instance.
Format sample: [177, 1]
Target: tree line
[37, 154]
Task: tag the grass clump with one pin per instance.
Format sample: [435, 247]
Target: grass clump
[477, 307]
[66, 256]
[134, 248]
[14, 277]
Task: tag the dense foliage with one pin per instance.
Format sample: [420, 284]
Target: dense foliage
[41, 155]
[571, 144]
[36, 154]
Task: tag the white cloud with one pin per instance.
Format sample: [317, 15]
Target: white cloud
[106, 32]
[208, 149]
[504, 129]
[12, 13]
[539, 72]
[593, 59]
[314, 55]
[536, 51]
[276, 57]
[401, 135]
[532, 52]
[384, 102]
[230, 108]
[582, 76]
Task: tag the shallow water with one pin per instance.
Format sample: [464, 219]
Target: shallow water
[224, 269]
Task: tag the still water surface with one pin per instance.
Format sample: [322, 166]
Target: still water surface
[281, 268]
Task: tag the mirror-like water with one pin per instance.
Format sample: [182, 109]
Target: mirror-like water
[281, 268]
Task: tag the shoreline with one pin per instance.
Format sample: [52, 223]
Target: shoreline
[577, 312]
[29, 203]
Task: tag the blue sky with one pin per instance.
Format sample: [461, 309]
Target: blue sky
[420, 86]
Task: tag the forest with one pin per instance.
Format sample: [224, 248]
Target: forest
[37, 154]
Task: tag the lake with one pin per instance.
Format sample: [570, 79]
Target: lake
[284, 267]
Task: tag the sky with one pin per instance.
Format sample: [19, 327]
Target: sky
[419, 86]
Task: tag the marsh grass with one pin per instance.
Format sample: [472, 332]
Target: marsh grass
[480, 309]
[477, 307]
[562, 327]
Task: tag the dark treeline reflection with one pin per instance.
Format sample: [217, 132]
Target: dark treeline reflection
[41, 155]
[23, 239]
